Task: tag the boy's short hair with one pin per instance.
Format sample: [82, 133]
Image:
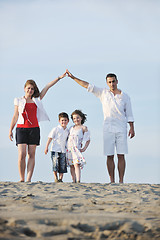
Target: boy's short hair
[63, 115]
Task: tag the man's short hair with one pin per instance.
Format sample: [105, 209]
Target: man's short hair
[111, 75]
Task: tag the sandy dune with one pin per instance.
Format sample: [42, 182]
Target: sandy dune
[79, 211]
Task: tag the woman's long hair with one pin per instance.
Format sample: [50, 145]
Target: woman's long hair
[36, 90]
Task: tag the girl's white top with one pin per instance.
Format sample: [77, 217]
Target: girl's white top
[75, 140]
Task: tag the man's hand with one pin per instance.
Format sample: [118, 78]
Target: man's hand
[131, 133]
[69, 74]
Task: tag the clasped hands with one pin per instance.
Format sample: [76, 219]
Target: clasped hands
[66, 73]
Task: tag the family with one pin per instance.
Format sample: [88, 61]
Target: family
[68, 145]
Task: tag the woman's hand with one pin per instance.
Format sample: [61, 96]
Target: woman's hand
[11, 135]
[63, 75]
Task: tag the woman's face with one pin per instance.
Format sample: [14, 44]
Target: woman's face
[29, 90]
[77, 119]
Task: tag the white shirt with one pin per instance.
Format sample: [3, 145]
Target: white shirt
[116, 109]
[59, 136]
[41, 113]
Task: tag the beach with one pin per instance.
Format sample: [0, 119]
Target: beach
[62, 211]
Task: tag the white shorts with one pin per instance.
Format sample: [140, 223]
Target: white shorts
[115, 140]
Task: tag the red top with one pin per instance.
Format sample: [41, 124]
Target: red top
[30, 116]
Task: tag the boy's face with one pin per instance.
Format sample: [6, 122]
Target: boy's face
[63, 122]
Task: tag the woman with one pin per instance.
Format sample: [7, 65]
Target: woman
[28, 112]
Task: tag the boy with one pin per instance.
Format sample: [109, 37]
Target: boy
[59, 136]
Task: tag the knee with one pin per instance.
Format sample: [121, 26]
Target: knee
[121, 157]
[22, 155]
[110, 158]
[31, 155]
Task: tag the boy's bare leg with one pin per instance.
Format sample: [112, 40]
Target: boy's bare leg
[111, 167]
[60, 177]
[121, 167]
[55, 176]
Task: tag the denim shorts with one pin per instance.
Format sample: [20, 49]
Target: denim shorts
[29, 136]
[59, 162]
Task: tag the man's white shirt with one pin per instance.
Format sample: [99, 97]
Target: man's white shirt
[117, 109]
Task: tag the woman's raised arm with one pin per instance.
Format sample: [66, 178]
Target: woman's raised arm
[49, 85]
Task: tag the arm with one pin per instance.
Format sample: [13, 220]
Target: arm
[85, 130]
[85, 146]
[13, 122]
[47, 145]
[131, 133]
[79, 81]
[49, 85]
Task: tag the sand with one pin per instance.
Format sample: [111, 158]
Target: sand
[62, 211]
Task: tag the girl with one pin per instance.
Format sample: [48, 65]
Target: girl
[78, 134]
[28, 112]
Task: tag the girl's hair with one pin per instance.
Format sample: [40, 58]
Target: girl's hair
[36, 90]
[82, 115]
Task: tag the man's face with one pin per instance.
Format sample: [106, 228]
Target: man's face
[112, 83]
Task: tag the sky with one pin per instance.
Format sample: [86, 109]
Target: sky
[41, 38]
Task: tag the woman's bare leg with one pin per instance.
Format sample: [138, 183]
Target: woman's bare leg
[22, 161]
[31, 161]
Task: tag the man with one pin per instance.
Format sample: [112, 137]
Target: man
[117, 112]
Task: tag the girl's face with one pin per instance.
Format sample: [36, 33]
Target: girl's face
[29, 90]
[77, 119]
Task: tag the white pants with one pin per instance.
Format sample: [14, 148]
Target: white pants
[115, 140]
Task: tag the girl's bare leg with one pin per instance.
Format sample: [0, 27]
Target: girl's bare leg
[77, 172]
[72, 170]
[22, 161]
[31, 161]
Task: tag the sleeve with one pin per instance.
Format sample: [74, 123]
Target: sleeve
[129, 114]
[16, 102]
[86, 136]
[52, 133]
[95, 90]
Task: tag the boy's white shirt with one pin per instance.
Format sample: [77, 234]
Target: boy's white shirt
[59, 138]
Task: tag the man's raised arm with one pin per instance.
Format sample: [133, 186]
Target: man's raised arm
[79, 81]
